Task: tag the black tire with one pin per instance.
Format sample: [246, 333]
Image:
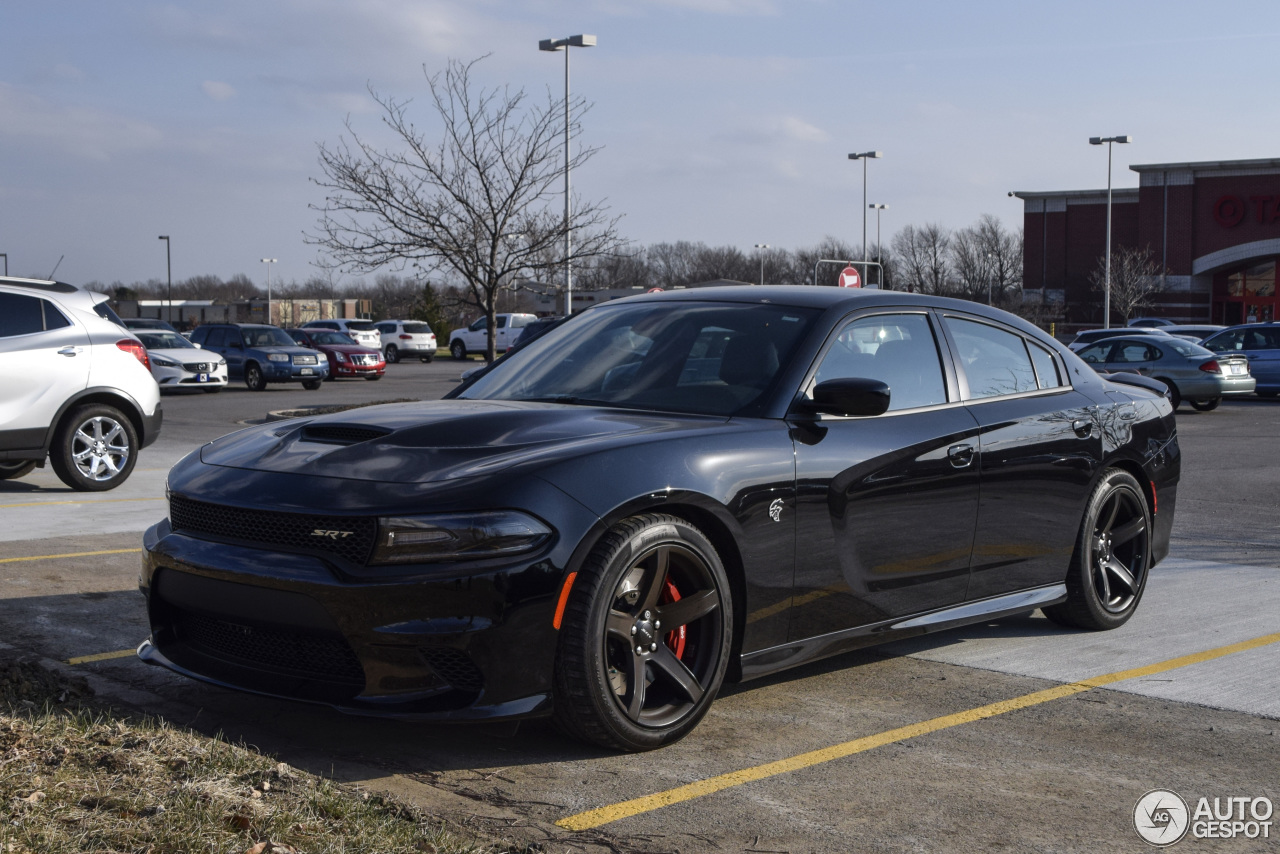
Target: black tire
[14, 469]
[311, 385]
[374, 377]
[392, 354]
[1112, 557]
[457, 349]
[615, 692]
[94, 448]
[213, 390]
[1175, 396]
[254, 378]
[1268, 394]
[1205, 405]
[428, 359]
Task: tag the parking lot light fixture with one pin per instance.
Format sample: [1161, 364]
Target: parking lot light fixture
[864, 157]
[168, 266]
[1106, 276]
[554, 45]
[762, 247]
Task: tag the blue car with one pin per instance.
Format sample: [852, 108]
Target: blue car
[261, 354]
[1260, 344]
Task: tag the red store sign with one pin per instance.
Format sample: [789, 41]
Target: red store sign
[1229, 211]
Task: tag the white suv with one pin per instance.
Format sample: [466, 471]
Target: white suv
[75, 386]
[406, 339]
[475, 338]
[362, 331]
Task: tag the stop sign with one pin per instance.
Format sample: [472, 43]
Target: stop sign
[849, 278]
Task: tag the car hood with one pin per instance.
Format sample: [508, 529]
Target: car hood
[349, 349]
[443, 440]
[185, 354]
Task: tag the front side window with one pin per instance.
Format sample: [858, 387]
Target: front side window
[995, 362]
[897, 349]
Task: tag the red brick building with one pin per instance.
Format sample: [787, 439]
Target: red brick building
[1213, 227]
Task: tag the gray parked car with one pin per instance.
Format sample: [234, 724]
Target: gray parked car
[1091, 336]
[1187, 369]
[1260, 344]
[1196, 332]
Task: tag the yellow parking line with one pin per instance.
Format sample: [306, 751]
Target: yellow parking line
[69, 554]
[98, 501]
[614, 812]
[102, 656]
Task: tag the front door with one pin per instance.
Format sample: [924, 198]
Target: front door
[885, 505]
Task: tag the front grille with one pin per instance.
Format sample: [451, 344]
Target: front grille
[198, 367]
[340, 434]
[290, 652]
[365, 359]
[349, 537]
[455, 667]
[304, 360]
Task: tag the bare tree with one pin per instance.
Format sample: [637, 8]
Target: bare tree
[479, 204]
[922, 258]
[1135, 279]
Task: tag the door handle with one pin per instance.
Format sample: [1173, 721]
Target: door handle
[69, 351]
[961, 456]
[1082, 427]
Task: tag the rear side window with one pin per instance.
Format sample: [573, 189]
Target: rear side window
[20, 315]
[995, 362]
[54, 319]
[1046, 366]
[218, 338]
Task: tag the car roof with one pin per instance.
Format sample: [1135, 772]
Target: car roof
[39, 284]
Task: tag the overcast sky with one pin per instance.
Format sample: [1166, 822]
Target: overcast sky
[723, 121]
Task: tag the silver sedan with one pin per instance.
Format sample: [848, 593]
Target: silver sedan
[1188, 370]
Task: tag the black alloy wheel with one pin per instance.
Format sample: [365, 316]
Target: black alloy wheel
[392, 355]
[14, 469]
[311, 385]
[646, 635]
[254, 378]
[94, 449]
[1112, 555]
[457, 349]
[1206, 405]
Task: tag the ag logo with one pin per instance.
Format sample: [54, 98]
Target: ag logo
[1161, 817]
[775, 510]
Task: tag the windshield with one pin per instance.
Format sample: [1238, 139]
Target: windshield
[700, 357]
[267, 336]
[162, 340]
[331, 338]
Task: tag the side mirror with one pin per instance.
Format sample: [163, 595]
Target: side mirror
[850, 396]
[197, 346]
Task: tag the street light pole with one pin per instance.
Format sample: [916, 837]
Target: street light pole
[5, 256]
[269, 262]
[168, 266]
[554, 45]
[762, 247]
[877, 209]
[1106, 278]
[864, 156]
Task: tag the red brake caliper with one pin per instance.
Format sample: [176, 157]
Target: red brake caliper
[674, 640]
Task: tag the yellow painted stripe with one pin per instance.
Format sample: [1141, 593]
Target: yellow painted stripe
[69, 554]
[614, 812]
[102, 656]
[96, 501]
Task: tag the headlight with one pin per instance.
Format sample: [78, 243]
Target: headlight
[278, 357]
[221, 362]
[163, 362]
[340, 356]
[457, 536]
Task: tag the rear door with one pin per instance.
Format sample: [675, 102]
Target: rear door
[44, 360]
[1039, 447]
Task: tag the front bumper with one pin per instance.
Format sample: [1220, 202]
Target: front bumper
[283, 372]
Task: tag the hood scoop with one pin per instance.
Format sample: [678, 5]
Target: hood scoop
[340, 434]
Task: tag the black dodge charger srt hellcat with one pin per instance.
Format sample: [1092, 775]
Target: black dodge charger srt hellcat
[661, 493]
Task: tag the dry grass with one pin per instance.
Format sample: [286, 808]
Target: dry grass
[77, 777]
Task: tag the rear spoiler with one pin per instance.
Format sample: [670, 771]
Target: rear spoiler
[1127, 378]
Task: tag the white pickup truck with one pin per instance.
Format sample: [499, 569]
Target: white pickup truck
[474, 338]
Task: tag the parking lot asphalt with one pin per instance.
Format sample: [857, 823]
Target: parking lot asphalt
[988, 737]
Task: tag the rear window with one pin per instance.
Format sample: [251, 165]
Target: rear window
[104, 310]
[361, 325]
[415, 328]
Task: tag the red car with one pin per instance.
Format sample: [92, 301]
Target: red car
[346, 357]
